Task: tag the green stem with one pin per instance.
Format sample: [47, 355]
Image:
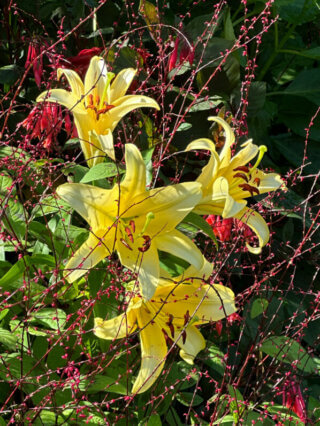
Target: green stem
[275, 52]
[295, 52]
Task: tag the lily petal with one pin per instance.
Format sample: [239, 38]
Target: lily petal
[123, 106]
[194, 343]
[94, 204]
[220, 194]
[75, 82]
[153, 352]
[88, 255]
[100, 145]
[267, 181]
[146, 264]
[245, 155]
[209, 171]
[116, 328]
[96, 77]
[258, 225]
[135, 179]
[169, 204]
[62, 97]
[121, 84]
[201, 304]
[181, 246]
[225, 154]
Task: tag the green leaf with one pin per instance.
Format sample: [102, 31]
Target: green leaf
[50, 317]
[307, 85]
[9, 74]
[102, 383]
[8, 339]
[204, 105]
[153, 420]
[256, 97]
[184, 126]
[215, 359]
[297, 11]
[202, 224]
[3, 313]
[150, 15]
[289, 351]
[172, 264]
[237, 404]
[17, 270]
[101, 171]
[147, 158]
[189, 399]
[258, 306]
[226, 419]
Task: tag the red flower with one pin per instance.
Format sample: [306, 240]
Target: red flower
[44, 122]
[186, 54]
[221, 227]
[292, 398]
[81, 61]
[34, 51]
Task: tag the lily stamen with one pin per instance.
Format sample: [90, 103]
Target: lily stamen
[125, 243]
[249, 188]
[146, 245]
[244, 169]
[241, 176]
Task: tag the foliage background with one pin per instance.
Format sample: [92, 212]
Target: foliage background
[259, 61]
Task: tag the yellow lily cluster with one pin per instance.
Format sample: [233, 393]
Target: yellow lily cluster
[137, 223]
[97, 105]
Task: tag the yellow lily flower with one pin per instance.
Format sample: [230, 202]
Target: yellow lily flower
[175, 311]
[97, 105]
[227, 181]
[133, 221]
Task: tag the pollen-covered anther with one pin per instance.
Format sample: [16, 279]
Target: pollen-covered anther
[104, 110]
[257, 181]
[186, 318]
[184, 336]
[146, 245]
[129, 233]
[249, 188]
[241, 176]
[244, 169]
[170, 325]
[132, 225]
[125, 243]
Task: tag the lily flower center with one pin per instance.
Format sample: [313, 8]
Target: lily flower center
[99, 105]
[130, 237]
[246, 174]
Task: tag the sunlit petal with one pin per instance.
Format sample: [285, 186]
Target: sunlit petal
[91, 202]
[135, 180]
[153, 352]
[258, 225]
[121, 84]
[225, 154]
[193, 344]
[200, 303]
[88, 255]
[209, 171]
[96, 77]
[126, 104]
[75, 82]
[181, 246]
[62, 97]
[116, 328]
